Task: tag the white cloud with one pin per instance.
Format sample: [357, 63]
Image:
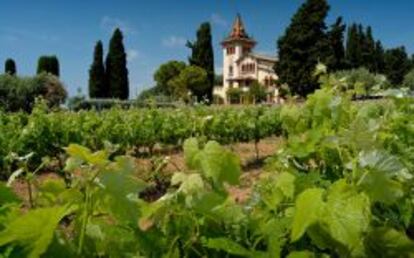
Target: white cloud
[18, 34]
[109, 24]
[217, 19]
[132, 54]
[174, 41]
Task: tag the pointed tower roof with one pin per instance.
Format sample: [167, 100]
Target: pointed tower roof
[238, 32]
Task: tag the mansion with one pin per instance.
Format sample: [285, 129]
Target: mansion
[241, 66]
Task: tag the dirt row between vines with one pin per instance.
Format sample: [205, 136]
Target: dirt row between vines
[175, 162]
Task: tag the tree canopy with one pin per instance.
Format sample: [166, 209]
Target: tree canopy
[397, 65]
[203, 56]
[192, 79]
[10, 67]
[302, 46]
[19, 93]
[165, 73]
[48, 64]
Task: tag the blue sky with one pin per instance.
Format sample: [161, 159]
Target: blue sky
[156, 31]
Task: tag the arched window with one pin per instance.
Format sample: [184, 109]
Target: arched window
[248, 68]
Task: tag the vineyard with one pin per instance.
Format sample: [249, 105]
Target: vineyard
[340, 185]
[136, 130]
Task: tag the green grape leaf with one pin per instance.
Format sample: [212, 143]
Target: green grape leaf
[348, 216]
[209, 201]
[119, 179]
[378, 181]
[286, 183]
[219, 164]
[388, 242]
[380, 161]
[381, 188]
[276, 230]
[309, 208]
[118, 183]
[72, 163]
[227, 245]
[301, 254]
[34, 230]
[189, 183]
[79, 152]
[319, 233]
[191, 150]
[275, 189]
[49, 191]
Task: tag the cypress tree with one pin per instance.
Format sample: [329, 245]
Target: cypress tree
[116, 67]
[48, 64]
[10, 67]
[54, 67]
[302, 46]
[203, 56]
[97, 82]
[336, 58]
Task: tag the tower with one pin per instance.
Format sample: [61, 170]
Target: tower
[235, 46]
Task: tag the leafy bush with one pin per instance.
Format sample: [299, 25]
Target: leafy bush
[257, 92]
[19, 93]
[191, 79]
[234, 95]
[361, 81]
[409, 81]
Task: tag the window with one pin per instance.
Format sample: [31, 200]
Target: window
[230, 70]
[246, 50]
[268, 81]
[231, 50]
[248, 68]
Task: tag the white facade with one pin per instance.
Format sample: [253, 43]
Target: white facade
[241, 66]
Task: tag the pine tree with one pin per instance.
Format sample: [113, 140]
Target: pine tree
[302, 46]
[203, 56]
[353, 50]
[97, 82]
[397, 65]
[10, 67]
[379, 58]
[336, 58]
[116, 68]
[368, 50]
[48, 64]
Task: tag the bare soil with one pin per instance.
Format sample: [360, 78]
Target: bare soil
[158, 168]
